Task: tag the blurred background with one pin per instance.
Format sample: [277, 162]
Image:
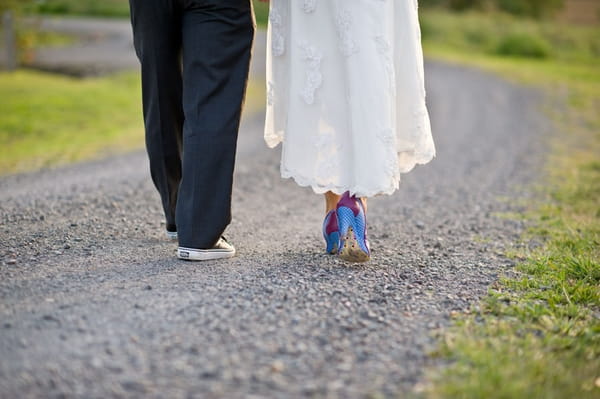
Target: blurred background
[70, 88]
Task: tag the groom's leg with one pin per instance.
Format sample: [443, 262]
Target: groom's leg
[217, 39]
[157, 40]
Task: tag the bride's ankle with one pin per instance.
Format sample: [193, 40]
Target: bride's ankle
[331, 200]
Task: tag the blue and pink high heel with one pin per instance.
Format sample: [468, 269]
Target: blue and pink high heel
[331, 233]
[352, 223]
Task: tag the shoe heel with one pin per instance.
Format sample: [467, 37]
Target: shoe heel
[351, 248]
[333, 243]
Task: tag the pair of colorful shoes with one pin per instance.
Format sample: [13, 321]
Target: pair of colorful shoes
[345, 230]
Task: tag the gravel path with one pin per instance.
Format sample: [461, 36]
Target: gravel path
[93, 302]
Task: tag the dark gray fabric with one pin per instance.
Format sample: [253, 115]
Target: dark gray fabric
[195, 56]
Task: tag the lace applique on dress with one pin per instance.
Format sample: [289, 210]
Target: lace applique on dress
[309, 6]
[343, 23]
[270, 93]
[345, 93]
[328, 150]
[387, 137]
[277, 38]
[384, 48]
[312, 57]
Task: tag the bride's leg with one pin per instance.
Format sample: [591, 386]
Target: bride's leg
[331, 200]
[330, 224]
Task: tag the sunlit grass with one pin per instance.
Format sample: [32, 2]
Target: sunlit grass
[48, 120]
[104, 8]
[261, 11]
[536, 335]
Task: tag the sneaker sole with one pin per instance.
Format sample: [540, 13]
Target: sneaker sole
[203, 254]
[172, 235]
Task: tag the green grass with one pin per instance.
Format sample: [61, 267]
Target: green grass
[96, 8]
[261, 11]
[48, 120]
[492, 34]
[536, 335]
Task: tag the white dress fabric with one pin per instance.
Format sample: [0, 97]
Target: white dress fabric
[345, 93]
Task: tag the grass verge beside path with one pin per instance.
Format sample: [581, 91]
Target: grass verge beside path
[536, 335]
[96, 8]
[49, 120]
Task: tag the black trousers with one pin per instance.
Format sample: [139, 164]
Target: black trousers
[195, 56]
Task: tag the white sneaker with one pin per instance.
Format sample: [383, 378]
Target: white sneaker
[221, 250]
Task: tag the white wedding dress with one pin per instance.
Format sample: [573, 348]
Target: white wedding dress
[346, 95]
